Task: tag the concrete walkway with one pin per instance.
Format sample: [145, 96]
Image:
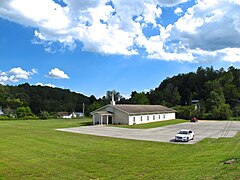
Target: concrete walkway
[202, 129]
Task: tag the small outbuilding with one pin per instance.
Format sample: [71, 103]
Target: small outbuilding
[131, 114]
[1, 112]
[196, 104]
[68, 115]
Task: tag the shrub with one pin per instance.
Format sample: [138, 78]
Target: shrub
[236, 111]
[44, 115]
[29, 117]
[23, 112]
[185, 112]
[222, 112]
[4, 117]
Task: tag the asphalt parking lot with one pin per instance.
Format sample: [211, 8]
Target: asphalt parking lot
[202, 130]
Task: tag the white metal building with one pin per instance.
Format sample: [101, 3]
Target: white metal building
[1, 112]
[131, 114]
[69, 115]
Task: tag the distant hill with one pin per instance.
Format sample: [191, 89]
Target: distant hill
[41, 98]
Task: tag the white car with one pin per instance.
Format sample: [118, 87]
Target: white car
[184, 135]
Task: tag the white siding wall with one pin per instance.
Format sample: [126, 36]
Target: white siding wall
[67, 116]
[170, 116]
[120, 117]
[150, 118]
[96, 119]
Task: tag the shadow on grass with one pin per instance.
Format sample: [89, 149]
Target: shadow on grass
[178, 142]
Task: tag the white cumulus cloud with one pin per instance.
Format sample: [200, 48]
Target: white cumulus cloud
[15, 75]
[57, 74]
[209, 29]
[171, 2]
[213, 29]
[103, 26]
[178, 10]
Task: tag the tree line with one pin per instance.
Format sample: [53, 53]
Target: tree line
[29, 101]
[218, 93]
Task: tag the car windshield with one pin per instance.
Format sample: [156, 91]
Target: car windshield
[183, 132]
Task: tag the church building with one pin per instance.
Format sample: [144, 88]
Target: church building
[131, 114]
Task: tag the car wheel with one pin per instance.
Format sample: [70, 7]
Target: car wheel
[193, 137]
[187, 139]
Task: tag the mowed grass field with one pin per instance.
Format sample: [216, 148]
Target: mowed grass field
[32, 149]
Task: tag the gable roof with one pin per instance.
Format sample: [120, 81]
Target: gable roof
[95, 111]
[104, 113]
[139, 109]
[144, 109]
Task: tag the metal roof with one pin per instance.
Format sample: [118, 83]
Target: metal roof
[137, 109]
[143, 109]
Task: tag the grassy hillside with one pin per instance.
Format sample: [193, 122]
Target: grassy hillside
[34, 150]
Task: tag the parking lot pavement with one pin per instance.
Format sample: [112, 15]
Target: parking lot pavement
[202, 130]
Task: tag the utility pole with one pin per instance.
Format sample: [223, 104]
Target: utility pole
[83, 111]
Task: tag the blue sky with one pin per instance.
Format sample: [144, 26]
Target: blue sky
[99, 45]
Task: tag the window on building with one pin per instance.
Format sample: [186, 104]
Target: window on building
[148, 118]
[164, 116]
[134, 121]
[141, 118]
[159, 116]
[153, 117]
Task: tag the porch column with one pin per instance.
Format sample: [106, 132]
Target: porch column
[107, 119]
[93, 119]
[101, 120]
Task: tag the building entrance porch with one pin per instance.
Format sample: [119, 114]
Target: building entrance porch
[103, 117]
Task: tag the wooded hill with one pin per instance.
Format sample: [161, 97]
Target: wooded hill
[41, 98]
[218, 92]
[183, 88]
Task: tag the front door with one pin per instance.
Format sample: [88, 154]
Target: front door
[109, 119]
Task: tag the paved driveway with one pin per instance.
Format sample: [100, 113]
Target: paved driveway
[202, 129]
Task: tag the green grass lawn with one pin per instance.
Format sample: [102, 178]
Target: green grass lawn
[32, 149]
[153, 124]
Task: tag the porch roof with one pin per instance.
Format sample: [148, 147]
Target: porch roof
[104, 113]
